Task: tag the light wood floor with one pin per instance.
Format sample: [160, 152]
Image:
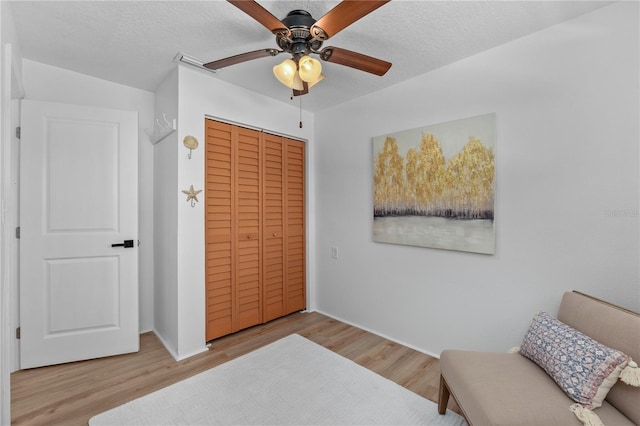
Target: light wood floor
[72, 393]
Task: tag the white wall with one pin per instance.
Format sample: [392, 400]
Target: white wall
[567, 204]
[48, 83]
[201, 94]
[165, 222]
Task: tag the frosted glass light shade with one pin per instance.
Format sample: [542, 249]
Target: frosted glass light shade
[310, 69]
[317, 80]
[285, 72]
[297, 82]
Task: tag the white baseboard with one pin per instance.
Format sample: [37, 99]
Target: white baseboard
[377, 333]
[166, 344]
[172, 350]
[193, 353]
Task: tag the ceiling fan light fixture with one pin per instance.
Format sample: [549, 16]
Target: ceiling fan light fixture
[316, 81]
[309, 68]
[285, 72]
[297, 83]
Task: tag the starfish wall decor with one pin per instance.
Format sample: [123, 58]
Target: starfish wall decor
[192, 195]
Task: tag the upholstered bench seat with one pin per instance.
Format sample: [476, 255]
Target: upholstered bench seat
[510, 390]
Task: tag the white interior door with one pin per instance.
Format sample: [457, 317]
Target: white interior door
[78, 196]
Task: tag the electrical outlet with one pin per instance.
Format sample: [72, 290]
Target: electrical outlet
[334, 252]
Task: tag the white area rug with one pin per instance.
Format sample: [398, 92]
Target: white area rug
[291, 381]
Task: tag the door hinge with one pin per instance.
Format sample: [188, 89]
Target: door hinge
[17, 232]
[17, 332]
[18, 132]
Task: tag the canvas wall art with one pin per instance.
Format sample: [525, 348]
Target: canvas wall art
[434, 186]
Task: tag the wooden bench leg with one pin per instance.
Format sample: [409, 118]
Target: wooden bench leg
[443, 396]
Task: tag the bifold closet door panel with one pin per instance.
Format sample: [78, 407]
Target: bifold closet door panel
[248, 205]
[218, 239]
[273, 226]
[295, 243]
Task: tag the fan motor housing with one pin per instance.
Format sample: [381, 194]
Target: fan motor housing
[298, 19]
[300, 41]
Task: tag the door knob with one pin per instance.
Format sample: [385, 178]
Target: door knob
[125, 244]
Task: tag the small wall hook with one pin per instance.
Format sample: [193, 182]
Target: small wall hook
[160, 131]
[191, 143]
[192, 195]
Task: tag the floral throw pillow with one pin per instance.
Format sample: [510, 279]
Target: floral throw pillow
[585, 369]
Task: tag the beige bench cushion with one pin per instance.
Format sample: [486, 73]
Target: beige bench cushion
[508, 389]
[611, 326]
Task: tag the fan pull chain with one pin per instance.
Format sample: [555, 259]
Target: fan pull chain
[300, 111]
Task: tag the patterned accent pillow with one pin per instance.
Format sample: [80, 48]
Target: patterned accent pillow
[585, 369]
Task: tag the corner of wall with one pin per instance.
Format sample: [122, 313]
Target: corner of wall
[165, 220]
[167, 345]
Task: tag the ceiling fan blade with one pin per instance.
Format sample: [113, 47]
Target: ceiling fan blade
[243, 57]
[261, 15]
[343, 15]
[355, 60]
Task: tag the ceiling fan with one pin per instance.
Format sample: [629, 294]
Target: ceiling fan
[300, 35]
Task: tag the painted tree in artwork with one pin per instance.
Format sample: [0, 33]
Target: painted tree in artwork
[433, 171]
[469, 188]
[388, 179]
[413, 179]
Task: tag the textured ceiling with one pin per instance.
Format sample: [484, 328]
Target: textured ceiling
[135, 42]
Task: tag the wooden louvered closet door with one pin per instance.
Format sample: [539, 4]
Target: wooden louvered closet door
[219, 173]
[255, 229]
[273, 242]
[246, 226]
[295, 243]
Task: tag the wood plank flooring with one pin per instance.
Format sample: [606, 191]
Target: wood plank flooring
[70, 394]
